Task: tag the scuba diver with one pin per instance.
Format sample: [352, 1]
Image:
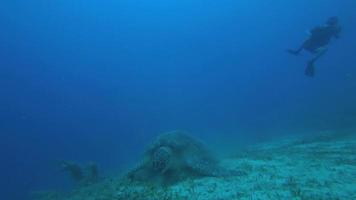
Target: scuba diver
[319, 38]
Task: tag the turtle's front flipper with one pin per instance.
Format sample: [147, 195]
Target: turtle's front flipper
[211, 168]
[222, 172]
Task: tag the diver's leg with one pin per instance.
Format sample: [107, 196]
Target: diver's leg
[297, 52]
[310, 70]
[318, 54]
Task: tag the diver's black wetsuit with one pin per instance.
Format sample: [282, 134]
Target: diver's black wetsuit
[320, 37]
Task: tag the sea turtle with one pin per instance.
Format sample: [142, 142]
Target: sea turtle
[175, 156]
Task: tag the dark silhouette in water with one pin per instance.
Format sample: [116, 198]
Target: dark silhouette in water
[175, 156]
[318, 41]
[73, 170]
[87, 175]
[93, 172]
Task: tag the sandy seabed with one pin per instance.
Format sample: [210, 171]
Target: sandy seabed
[322, 167]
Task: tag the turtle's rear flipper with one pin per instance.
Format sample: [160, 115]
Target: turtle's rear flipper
[211, 168]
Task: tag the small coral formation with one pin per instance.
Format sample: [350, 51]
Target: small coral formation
[73, 170]
[93, 172]
[175, 156]
[81, 175]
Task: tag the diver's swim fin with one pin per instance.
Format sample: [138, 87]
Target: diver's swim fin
[310, 70]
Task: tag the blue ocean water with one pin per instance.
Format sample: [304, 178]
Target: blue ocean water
[97, 80]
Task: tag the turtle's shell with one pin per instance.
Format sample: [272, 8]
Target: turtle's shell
[174, 156]
[176, 149]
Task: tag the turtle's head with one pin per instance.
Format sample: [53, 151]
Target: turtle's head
[161, 159]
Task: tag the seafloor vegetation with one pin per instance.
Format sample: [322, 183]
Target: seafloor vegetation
[314, 168]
